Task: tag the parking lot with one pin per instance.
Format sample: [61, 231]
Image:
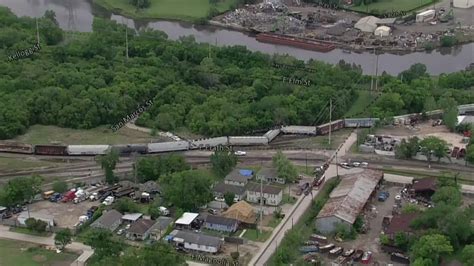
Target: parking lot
[65, 214]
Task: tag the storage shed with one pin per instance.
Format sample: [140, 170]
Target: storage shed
[382, 31]
[367, 24]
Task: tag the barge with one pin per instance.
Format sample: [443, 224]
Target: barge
[304, 43]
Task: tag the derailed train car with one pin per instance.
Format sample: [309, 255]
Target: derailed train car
[247, 141]
[130, 148]
[16, 148]
[334, 125]
[168, 146]
[87, 149]
[211, 142]
[51, 150]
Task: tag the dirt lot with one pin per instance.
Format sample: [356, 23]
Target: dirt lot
[65, 214]
[423, 130]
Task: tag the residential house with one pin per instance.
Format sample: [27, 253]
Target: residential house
[348, 200]
[140, 230]
[196, 242]
[221, 188]
[269, 175]
[221, 223]
[272, 195]
[131, 217]
[238, 177]
[242, 212]
[158, 230]
[186, 220]
[109, 220]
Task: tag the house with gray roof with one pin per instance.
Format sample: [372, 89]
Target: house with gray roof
[271, 195]
[140, 229]
[196, 242]
[158, 230]
[238, 177]
[269, 175]
[109, 220]
[221, 188]
[220, 223]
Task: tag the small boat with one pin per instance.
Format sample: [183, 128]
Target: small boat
[308, 249]
[357, 255]
[326, 248]
[320, 239]
[336, 251]
[348, 253]
[311, 243]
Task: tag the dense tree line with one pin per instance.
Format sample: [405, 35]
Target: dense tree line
[87, 81]
[20, 190]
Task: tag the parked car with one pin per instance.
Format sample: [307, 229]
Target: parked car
[383, 196]
[240, 153]
[364, 164]
[221, 199]
[344, 165]
[120, 232]
[212, 211]
[356, 164]
[366, 257]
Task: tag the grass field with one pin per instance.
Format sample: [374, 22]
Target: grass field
[166, 9]
[252, 234]
[25, 254]
[384, 6]
[39, 134]
[7, 163]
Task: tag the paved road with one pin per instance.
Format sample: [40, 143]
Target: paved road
[48, 241]
[299, 209]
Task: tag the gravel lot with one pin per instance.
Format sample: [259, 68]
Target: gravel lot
[65, 214]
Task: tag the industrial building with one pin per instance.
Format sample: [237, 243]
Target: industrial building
[348, 200]
[463, 3]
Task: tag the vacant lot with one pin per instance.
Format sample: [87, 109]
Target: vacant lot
[23, 163]
[167, 9]
[26, 254]
[384, 6]
[39, 134]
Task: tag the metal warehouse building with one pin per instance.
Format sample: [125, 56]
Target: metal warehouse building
[347, 200]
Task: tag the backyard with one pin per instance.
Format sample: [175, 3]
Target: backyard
[167, 9]
[26, 254]
[384, 6]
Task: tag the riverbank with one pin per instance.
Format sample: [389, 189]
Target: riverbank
[184, 10]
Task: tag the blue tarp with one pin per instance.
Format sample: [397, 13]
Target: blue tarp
[245, 172]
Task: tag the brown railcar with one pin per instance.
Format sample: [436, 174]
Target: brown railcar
[51, 150]
[324, 128]
[16, 148]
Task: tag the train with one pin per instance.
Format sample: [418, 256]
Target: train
[184, 145]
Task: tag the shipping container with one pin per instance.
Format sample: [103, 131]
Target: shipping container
[16, 148]
[50, 150]
[334, 125]
[168, 146]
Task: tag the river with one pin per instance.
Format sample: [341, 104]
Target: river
[78, 15]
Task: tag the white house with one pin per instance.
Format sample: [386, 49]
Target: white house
[196, 242]
[271, 195]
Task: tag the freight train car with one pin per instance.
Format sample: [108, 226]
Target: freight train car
[51, 150]
[466, 109]
[360, 122]
[303, 130]
[16, 148]
[168, 146]
[272, 134]
[247, 141]
[334, 125]
[87, 149]
[131, 148]
[212, 142]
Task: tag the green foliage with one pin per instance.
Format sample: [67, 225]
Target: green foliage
[285, 168]
[432, 145]
[450, 118]
[429, 104]
[157, 254]
[36, 225]
[403, 241]
[344, 232]
[103, 243]
[467, 255]
[235, 255]
[108, 162]
[448, 195]
[188, 190]
[470, 154]
[20, 190]
[126, 204]
[229, 198]
[222, 162]
[151, 168]
[416, 71]
[448, 41]
[411, 208]
[432, 247]
[60, 186]
[358, 224]
[154, 208]
[384, 239]
[407, 149]
[63, 238]
[140, 3]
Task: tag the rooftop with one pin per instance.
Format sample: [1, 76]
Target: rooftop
[424, 184]
[108, 218]
[348, 199]
[141, 226]
[187, 218]
[255, 187]
[268, 172]
[213, 219]
[223, 188]
[241, 211]
[401, 223]
[200, 239]
[132, 216]
[162, 223]
[237, 176]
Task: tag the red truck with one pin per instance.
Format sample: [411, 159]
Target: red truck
[69, 196]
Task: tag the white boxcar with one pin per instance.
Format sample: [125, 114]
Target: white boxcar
[212, 142]
[466, 108]
[305, 130]
[272, 134]
[87, 149]
[247, 140]
[168, 146]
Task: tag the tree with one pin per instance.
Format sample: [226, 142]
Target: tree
[448, 195]
[448, 41]
[429, 104]
[126, 205]
[151, 168]
[407, 149]
[157, 254]
[434, 146]
[402, 240]
[63, 238]
[450, 118]
[229, 198]
[431, 246]
[103, 243]
[154, 208]
[284, 167]
[60, 186]
[470, 154]
[222, 162]
[36, 225]
[20, 190]
[140, 3]
[188, 190]
[415, 71]
[467, 255]
[108, 163]
[410, 208]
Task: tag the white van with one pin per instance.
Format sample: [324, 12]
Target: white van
[164, 210]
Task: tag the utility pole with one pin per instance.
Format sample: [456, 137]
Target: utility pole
[330, 120]
[126, 39]
[261, 203]
[337, 166]
[306, 159]
[135, 168]
[376, 72]
[37, 32]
